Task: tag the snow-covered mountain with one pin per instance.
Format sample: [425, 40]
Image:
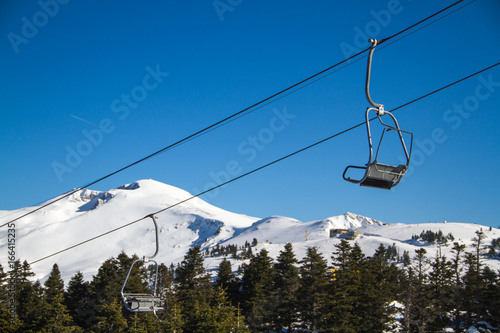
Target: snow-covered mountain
[87, 214]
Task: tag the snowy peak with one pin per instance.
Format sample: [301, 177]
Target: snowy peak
[131, 186]
[348, 221]
[90, 199]
[362, 220]
[84, 195]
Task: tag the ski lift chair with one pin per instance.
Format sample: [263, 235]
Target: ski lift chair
[379, 175]
[143, 302]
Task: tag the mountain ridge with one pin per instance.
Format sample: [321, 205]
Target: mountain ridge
[88, 213]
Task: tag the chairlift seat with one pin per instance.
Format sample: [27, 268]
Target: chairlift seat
[383, 176]
[378, 175]
[142, 302]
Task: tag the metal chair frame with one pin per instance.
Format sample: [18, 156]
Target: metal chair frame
[143, 302]
[380, 175]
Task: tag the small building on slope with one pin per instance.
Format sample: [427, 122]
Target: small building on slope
[345, 233]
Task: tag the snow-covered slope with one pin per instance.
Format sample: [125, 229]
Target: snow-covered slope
[87, 214]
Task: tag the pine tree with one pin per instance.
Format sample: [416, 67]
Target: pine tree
[225, 276]
[191, 274]
[286, 284]
[76, 298]
[421, 261]
[227, 281]
[165, 278]
[392, 252]
[141, 323]
[20, 273]
[341, 257]
[58, 318]
[440, 283]
[489, 298]
[361, 290]
[473, 282]
[241, 327]
[173, 318]
[30, 301]
[421, 312]
[104, 298]
[110, 317]
[247, 254]
[10, 287]
[257, 287]
[226, 318]
[380, 287]
[26, 272]
[407, 296]
[54, 284]
[8, 320]
[478, 248]
[380, 256]
[344, 287]
[313, 292]
[470, 290]
[457, 287]
[106, 284]
[406, 259]
[195, 292]
[31, 307]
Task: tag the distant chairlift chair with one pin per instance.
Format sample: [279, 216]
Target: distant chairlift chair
[380, 175]
[136, 302]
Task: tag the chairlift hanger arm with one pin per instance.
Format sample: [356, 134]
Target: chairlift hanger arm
[379, 107]
[156, 236]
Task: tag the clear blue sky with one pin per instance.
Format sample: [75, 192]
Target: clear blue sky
[87, 87]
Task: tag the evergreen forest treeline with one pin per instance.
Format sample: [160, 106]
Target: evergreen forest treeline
[285, 294]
